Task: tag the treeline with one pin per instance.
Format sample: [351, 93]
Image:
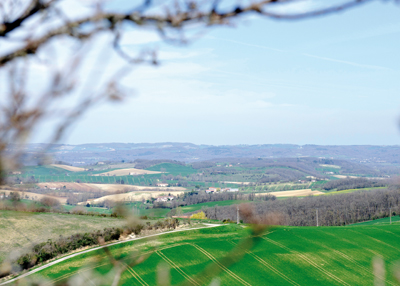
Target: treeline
[336, 210]
[348, 167]
[281, 175]
[52, 248]
[202, 197]
[307, 165]
[48, 205]
[13, 202]
[304, 165]
[353, 183]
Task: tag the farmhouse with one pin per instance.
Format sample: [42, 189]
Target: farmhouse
[164, 198]
[211, 190]
[162, 185]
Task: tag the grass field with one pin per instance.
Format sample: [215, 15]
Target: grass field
[284, 256]
[192, 208]
[17, 229]
[154, 213]
[89, 209]
[173, 169]
[353, 190]
[386, 220]
[140, 210]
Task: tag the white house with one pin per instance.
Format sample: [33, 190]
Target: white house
[162, 185]
[165, 198]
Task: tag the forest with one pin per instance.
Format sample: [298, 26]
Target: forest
[353, 183]
[335, 210]
[194, 198]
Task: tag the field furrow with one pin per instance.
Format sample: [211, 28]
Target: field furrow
[236, 277]
[309, 260]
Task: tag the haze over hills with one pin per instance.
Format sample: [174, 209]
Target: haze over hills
[187, 152]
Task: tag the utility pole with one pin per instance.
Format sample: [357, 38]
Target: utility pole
[390, 209]
[237, 215]
[317, 218]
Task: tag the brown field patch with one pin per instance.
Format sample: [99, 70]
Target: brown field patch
[294, 193]
[127, 172]
[69, 168]
[87, 187]
[135, 196]
[34, 196]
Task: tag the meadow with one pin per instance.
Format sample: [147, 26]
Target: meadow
[192, 208]
[386, 220]
[282, 256]
[19, 230]
[354, 190]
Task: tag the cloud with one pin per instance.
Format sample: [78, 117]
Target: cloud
[345, 62]
[305, 54]
[139, 37]
[246, 44]
[296, 7]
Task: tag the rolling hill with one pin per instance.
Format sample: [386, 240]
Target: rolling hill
[283, 256]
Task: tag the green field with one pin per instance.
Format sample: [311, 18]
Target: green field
[173, 169]
[284, 256]
[89, 209]
[386, 220]
[192, 208]
[353, 190]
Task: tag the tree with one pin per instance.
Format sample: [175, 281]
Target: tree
[199, 215]
[15, 196]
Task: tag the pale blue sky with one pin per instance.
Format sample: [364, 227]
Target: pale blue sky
[327, 80]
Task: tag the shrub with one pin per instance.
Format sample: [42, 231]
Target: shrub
[199, 215]
[49, 202]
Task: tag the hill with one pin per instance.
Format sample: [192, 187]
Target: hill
[20, 229]
[284, 256]
[385, 158]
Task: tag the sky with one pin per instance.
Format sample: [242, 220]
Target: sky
[331, 80]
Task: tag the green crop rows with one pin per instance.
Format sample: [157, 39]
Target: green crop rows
[284, 256]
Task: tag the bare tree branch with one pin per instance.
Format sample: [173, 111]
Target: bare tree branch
[181, 18]
[33, 8]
